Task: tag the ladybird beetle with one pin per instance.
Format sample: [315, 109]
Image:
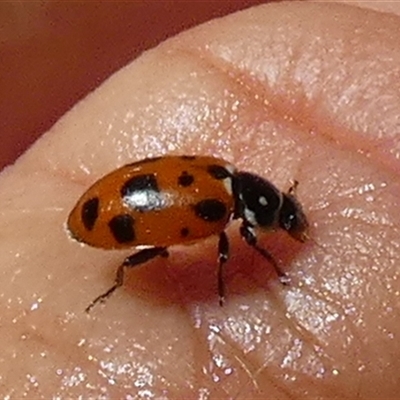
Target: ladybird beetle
[159, 202]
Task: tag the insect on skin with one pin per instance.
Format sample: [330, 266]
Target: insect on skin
[159, 202]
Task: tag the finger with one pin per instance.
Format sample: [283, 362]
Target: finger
[221, 98]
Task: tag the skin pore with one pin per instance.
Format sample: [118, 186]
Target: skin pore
[288, 91]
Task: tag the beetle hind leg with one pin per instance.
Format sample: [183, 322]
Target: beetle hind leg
[132, 261]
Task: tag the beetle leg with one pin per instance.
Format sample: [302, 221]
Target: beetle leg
[223, 255]
[247, 232]
[293, 188]
[132, 261]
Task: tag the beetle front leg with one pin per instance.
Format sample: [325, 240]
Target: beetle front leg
[247, 232]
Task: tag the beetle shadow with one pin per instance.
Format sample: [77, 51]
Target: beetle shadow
[189, 276]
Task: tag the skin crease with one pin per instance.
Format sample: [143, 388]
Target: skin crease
[323, 110]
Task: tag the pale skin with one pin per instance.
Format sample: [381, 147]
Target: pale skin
[302, 92]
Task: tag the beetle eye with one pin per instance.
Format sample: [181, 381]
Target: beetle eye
[292, 218]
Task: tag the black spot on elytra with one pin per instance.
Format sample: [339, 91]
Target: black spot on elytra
[139, 183]
[121, 227]
[141, 193]
[90, 213]
[189, 158]
[218, 172]
[185, 179]
[144, 161]
[184, 232]
[211, 210]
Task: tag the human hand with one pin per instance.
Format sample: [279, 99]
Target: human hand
[302, 91]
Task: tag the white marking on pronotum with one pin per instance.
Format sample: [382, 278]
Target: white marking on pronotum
[228, 181]
[263, 201]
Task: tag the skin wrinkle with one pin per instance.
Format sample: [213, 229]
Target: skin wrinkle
[250, 89]
[147, 312]
[251, 93]
[312, 114]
